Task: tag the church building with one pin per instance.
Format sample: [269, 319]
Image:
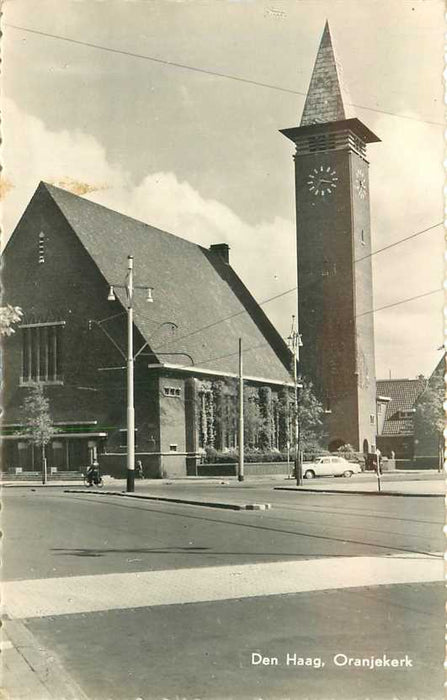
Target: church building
[335, 292]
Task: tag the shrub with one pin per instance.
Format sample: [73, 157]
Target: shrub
[251, 456]
[348, 452]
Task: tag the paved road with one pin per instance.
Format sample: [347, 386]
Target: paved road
[51, 533]
[188, 594]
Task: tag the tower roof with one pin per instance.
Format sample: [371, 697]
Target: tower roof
[324, 101]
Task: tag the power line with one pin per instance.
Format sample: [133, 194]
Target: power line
[365, 313]
[403, 301]
[402, 240]
[227, 318]
[293, 289]
[231, 354]
[255, 347]
[196, 69]
[380, 308]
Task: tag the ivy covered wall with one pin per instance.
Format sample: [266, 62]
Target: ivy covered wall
[267, 415]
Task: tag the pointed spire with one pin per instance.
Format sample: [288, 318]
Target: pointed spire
[324, 101]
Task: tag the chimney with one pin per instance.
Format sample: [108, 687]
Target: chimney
[222, 251]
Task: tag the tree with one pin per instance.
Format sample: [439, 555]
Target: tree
[9, 315]
[310, 418]
[38, 424]
[429, 420]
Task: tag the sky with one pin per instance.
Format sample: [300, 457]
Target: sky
[198, 152]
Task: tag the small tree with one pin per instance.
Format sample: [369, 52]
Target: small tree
[348, 452]
[429, 420]
[9, 315]
[252, 417]
[310, 417]
[38, 423]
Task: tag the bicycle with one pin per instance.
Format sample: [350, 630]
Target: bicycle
[93, 479]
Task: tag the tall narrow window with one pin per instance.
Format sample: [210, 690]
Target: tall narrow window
[42, 352]
[41, 247]
[363, 237]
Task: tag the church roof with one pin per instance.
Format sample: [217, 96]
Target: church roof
[324, 101]
[193, 288]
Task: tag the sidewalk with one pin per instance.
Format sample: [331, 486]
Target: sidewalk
[228, 492]
[30, 672]
[387, 488]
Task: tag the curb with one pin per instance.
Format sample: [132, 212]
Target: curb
[359, 493]
[32, 670]
[167, 499]
[37, 484]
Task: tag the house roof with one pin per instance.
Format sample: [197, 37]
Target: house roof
[403, 394]
[193, 288]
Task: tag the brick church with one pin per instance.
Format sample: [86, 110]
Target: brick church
[58, 266]
[335, 293]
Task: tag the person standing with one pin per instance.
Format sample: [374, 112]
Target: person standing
[378, 461]
[140, 471]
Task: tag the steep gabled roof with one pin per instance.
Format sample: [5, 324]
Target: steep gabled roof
[403, 394]
[192, 288]
[325, 99]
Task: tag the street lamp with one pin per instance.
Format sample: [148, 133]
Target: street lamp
[296, 343]
[129, 288]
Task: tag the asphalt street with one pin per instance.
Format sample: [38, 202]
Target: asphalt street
[161, 634]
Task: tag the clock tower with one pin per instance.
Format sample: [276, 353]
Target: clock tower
[335, 292]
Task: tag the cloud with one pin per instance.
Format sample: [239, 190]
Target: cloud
[406, 196]
[261, 254]
[31, 153]
[77, 162]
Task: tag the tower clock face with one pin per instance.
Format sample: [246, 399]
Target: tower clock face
[322, 181]
[360, 184]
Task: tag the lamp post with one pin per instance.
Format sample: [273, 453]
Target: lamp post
[129, 288]
[296, 343]
[240, 475]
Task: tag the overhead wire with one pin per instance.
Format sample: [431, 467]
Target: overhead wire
[403, 301]
[228, 76]
[196, 69]
[401, 240]
[293, 289]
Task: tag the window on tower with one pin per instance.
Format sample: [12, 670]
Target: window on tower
[322, 142]
[329, 268]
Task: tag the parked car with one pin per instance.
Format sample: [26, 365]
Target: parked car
[329, 466]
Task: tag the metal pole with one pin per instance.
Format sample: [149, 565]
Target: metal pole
[298, 397]
[296, 416]
[295, 341]
[241, 415]
[44, 466]
[130, 381]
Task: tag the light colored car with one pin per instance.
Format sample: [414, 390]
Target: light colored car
[329, 466]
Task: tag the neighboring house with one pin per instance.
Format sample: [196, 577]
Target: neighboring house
[396, 408]
[58, 267]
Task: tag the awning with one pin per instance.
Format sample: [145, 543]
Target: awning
[56, 436]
